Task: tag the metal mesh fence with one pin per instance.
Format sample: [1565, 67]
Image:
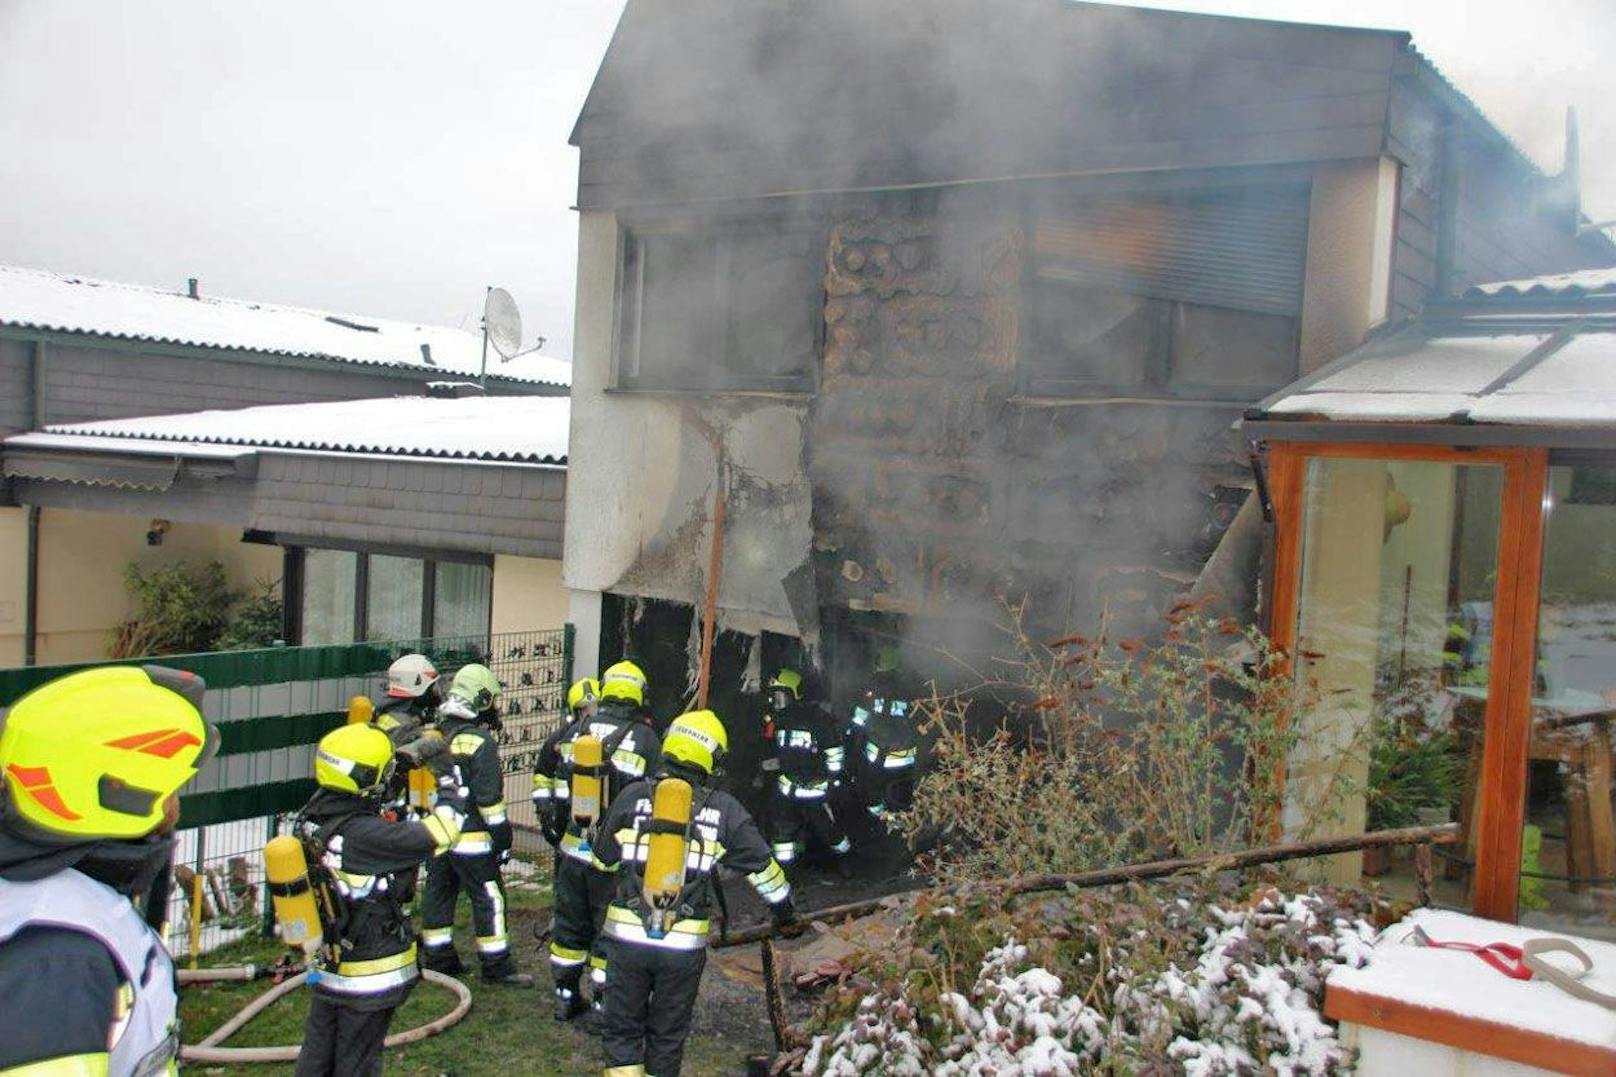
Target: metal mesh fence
[270, 707]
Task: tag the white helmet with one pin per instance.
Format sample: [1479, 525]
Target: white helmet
[409, 677]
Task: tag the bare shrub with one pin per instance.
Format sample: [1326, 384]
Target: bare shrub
[1114, 752]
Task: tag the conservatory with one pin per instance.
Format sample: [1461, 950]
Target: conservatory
[1444, 578]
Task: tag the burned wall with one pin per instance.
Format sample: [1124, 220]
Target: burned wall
[940, 492]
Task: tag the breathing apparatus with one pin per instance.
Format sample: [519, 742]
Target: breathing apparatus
[696, 741]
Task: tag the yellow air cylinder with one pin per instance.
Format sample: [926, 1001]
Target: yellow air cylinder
[667, 850]
[586, 774]
[360, 710]
[423, 787]
[292, 894]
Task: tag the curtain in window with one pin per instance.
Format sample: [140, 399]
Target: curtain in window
[462, 599]
[329, 577]
[393, 599]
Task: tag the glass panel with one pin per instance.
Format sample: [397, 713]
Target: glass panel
[1568, 861]
[1394, 631]
[1215, 348]
[1083, 338]
[393, 597]
[329, 577]
[461, 599]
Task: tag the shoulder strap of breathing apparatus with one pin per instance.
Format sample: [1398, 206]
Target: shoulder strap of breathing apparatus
[665, 890]
[334, 912]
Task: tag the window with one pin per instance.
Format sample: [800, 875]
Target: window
[727, 307]
[394, 593]
[329, 583]
[343, 596]
[1194, 295]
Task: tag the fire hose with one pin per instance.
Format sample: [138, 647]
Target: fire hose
[210, 1049]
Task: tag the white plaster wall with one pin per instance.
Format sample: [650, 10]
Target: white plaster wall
[641, 476]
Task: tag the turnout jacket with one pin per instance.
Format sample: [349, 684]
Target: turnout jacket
[722, 832]
[366, 856]
[807, 750]
[633, 750]
[476, 752]
[882, 731]
[401, 718]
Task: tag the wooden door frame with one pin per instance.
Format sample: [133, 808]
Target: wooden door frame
[1507, 723]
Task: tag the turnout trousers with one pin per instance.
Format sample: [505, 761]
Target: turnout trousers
[340, 1041]
[797, 823]
[478, 875]
[650, 997]
[581, 896]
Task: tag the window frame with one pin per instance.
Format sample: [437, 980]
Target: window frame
[628, 291]
[293, 563]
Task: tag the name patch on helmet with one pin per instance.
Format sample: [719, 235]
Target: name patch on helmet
[346, 766]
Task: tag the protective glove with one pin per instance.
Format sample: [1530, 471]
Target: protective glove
[453, 793]
[784, 914]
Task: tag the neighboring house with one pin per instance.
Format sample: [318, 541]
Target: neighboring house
[969, 298]
[385, 513]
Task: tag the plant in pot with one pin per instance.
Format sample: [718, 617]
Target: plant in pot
[1415, 772]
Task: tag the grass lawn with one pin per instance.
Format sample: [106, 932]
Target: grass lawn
[507, 1031]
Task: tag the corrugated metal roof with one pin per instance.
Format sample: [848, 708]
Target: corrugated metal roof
[513, 429]
[35, 299]
[1581, 283]
[1563, 378]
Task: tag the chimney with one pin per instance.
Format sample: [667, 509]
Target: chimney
[190, 288]
[426, 353]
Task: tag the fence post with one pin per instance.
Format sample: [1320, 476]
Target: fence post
[263, 891]
[568, 631]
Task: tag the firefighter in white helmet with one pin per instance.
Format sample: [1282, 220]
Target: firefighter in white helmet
[412, 697]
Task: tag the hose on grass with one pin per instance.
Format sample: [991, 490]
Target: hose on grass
[211, 1049]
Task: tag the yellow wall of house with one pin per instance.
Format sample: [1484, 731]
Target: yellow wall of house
[13, 583]
[1350, 232]
[81, 562]
[527, 594]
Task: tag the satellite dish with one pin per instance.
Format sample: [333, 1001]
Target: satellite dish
[502, 322]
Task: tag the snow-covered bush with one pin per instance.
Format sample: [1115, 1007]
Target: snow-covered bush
[1165, 979]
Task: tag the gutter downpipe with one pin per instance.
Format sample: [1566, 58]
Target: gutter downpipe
[30, 614]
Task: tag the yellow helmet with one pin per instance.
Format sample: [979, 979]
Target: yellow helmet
[623, 680]
[476, 686]
[697, 739]
[788, 680]
[96, 754]
[354, 759]
[585, 690]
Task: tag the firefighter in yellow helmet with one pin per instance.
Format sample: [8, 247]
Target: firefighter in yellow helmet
[363, 858]
[90, 768]
[656, 926]
[469, 720]
[807, 755]
[629, 750]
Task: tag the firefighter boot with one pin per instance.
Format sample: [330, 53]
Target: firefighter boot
[569, 995]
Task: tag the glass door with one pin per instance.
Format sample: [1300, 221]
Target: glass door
[1394, 638]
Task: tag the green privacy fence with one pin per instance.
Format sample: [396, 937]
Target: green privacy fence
[272, 705]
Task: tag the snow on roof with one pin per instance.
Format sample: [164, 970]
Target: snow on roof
[1582, 282]
[1458, 982]
[36, 299]
[520, 429]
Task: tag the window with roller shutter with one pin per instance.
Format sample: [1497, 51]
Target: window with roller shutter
[1194, 295]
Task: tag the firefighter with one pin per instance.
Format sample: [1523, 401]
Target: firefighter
[550, 788]
[656, 926]
[92, 764]
[808, 753]
[468, 720]
[629, 750]
[412, 697]
[363, 857]
[883, 740]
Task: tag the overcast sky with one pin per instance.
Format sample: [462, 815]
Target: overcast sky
[394, 158]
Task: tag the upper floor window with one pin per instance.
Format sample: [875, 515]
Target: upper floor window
[725, 306]
[1188, 295]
